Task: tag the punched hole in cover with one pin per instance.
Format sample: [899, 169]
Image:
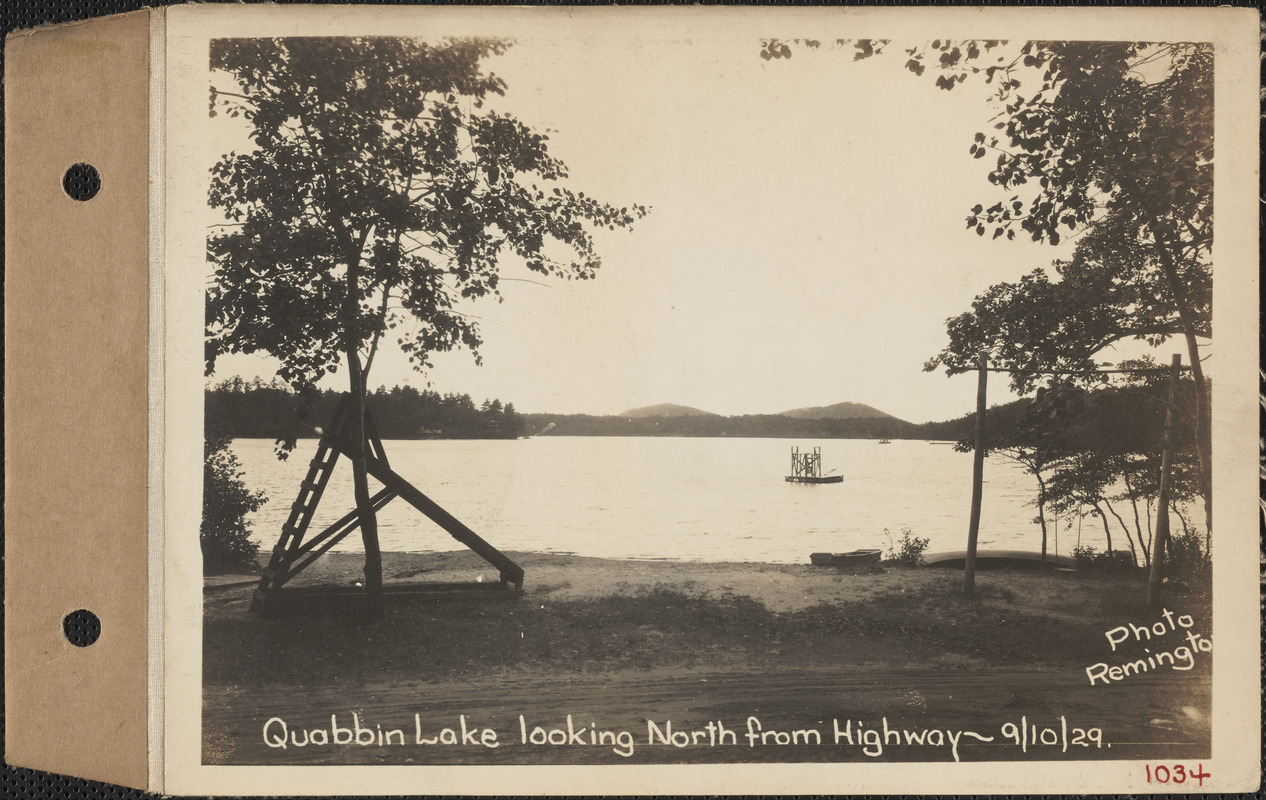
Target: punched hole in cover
[81, 627]
[82, 181]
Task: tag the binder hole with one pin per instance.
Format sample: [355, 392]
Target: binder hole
[82, 181]
[81, 627]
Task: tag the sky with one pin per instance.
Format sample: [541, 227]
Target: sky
[805, 246]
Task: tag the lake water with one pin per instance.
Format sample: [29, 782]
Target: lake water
[707, 499]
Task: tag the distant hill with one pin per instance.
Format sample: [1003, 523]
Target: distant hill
[837, 411]
[671, 420]
[665, 410]
[748, 425]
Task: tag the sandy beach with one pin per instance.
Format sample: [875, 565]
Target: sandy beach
[596, 647]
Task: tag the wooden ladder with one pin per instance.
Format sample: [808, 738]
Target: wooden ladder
[290, 547]
[293, 554]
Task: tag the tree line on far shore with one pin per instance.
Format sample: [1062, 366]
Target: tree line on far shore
[774, 426]
[258, 410]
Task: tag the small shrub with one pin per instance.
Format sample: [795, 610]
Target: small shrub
[1187, 558]
[1084, 555]
[907, 550]
[225, 536]
[1090, 560]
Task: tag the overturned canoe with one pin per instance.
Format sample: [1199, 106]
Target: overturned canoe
[999, 559]
[851, 559]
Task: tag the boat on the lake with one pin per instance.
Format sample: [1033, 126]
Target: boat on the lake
[999, 559]
[853, 558]
[885, 440]
[806, 467]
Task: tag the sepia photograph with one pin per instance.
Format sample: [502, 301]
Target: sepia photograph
[588, 395]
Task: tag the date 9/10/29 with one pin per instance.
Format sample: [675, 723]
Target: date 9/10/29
[1178, 773]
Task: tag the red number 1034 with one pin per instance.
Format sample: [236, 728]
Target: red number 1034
[1175, 774]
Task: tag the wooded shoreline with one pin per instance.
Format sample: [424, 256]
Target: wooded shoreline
[258, 410]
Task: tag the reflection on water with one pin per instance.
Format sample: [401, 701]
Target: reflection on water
[672, 498]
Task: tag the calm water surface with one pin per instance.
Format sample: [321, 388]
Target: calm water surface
[668, 498]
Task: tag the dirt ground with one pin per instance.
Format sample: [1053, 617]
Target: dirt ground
[745, 662]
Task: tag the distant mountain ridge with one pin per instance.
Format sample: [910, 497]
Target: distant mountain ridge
[844, 410]
[877, 425]
[666, 410]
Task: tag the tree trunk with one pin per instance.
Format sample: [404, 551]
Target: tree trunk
[1129, 538]
[1134, 505]
[1186, 531]
[1204, 441]
[1162, 512]
[360, 480]
[1147, 508]
[360, 473]
[1107, 531]
[977, 485]
[1169, 268]
[1041, 516]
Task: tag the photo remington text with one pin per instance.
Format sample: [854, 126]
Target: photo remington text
[1181, 657]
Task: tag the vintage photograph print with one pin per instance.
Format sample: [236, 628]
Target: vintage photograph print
[599, 397]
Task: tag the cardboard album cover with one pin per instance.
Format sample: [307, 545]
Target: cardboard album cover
[634, 400]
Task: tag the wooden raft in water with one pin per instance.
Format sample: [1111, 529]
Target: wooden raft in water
[806, 467]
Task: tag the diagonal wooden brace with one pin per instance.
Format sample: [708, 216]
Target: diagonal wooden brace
[326, 539]
[510, 572]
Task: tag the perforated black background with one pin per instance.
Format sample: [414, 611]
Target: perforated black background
[16, 14]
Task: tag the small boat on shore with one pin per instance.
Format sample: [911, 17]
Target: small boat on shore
[854, 558]
[999, 559]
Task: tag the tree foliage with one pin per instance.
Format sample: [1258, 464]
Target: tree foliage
[379, 195]
[259, 410]
[375, 157]
[1093, 447]
[1111, 141]
[1109, 291]
[1090, 129]
[225, 535]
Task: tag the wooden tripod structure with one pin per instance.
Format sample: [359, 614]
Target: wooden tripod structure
[806, 467]
[293, 553]
[806, 464]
